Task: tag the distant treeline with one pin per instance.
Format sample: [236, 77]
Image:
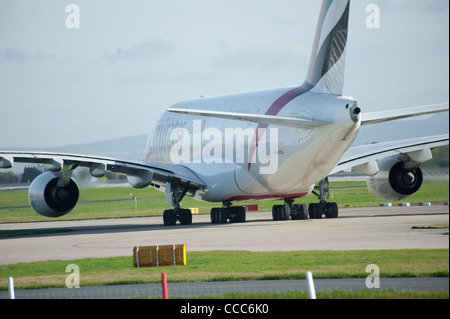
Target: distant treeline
[29, 174]
[440, 159]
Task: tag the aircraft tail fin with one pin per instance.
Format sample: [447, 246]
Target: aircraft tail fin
[327, 64]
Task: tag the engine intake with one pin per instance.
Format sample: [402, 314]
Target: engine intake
[405, 181]
[395, 181]
[51, 200]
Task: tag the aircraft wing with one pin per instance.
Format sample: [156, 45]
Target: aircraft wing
[357, 156]
[139, 173]
[256, 118]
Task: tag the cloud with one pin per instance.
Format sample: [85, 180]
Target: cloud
[146, 50]
[18, 56]
[13, 55]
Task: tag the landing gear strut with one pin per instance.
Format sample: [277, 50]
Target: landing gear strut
[330, 210]
[289, 209]
[225, 213]
[171, 216]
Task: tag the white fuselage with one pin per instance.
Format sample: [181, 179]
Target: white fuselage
[256, 161]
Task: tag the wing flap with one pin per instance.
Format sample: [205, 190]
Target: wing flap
[256, 118]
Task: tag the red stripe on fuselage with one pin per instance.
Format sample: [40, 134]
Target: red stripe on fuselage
[274, 109]
[265, 197]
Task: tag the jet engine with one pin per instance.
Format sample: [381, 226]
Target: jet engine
[50, 198]
[395, 181]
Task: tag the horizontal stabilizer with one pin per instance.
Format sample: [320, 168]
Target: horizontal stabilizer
[256, 118]
[385, 116]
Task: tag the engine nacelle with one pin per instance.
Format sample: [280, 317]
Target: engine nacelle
[395, 182]
[49, 199]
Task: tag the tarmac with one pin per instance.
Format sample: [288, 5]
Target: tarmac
[355, 229]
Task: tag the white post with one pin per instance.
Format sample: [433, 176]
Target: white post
[312, 290]
[174, 255]
[137, 256]
[11, 288]
[157, 256]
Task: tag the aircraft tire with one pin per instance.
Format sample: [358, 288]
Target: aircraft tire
[219, 215]
[301, 212]
[185, 217]
[332, 210]
[237, 214]
[242, 215]
[169, 217]
[214, 216]
[279, 213]
[315, 211]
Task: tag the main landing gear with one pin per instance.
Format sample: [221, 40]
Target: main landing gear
[171, 216]
[238, 215]
[289, 209]
[300, 211]
[223, 214]
[330, 210]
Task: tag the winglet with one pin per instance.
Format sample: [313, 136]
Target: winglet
[327, 64]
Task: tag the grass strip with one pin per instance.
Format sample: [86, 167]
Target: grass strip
[334, 294]
[97, 203]
[436, 226]
[234, 265]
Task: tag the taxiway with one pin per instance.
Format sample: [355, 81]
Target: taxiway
[355, 229]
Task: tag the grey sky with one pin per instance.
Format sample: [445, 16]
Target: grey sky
[129, 60]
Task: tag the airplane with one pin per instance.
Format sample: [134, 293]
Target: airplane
[279, 143]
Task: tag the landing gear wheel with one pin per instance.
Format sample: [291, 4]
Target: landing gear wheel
[219, 215]
[300, 212]
[279, 212]
[237, 214]
[169, 217]
[185, 217]
[215, 215]
[331, 210]
[315, 211]
[177, 191]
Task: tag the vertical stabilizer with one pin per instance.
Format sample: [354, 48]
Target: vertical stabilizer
[327, 65]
